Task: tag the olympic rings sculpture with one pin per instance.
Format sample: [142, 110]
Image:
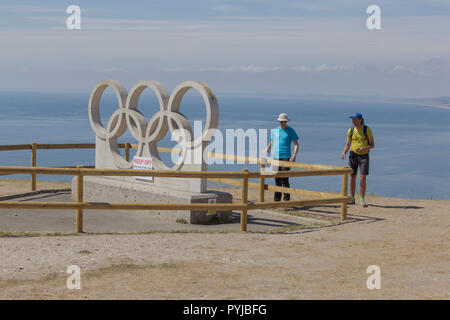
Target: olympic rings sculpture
[149, 133]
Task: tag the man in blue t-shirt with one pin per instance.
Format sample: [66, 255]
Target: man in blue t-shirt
[281, 139]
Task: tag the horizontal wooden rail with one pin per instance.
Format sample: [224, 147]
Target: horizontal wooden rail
[300, 165]
[15, 147]
[268, 187]
[120, 206]
[293, 203]
[306, 173]
[235, 158]
[48, 146]
[252, 160]
[165, 173]
[90, 167]
[61, 146]
[124, 172]
[66, 146]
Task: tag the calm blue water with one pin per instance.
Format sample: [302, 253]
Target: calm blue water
[410, 159]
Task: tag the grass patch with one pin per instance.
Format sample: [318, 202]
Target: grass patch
[51, 276]
[289, 229]
[12, 282]
[53, 234]
[85, 252]
[6, 234]
[129, 267]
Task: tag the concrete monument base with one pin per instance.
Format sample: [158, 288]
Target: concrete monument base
[127, 189]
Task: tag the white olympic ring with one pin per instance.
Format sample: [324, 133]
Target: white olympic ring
[148, 134]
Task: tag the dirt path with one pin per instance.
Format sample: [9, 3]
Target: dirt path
[408, 240]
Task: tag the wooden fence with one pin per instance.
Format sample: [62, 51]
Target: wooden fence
[225, 177]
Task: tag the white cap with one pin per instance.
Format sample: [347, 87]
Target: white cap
[283, 117]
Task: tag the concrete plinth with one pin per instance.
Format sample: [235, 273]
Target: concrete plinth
[127, 189]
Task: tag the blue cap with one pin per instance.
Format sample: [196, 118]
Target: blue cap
[356, 115]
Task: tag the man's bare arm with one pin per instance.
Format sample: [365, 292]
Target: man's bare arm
[268, 147]
[370, 146]
[292, 159]
[347, 146]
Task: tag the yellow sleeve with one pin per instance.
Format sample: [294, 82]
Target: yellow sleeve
[348, 134]
[369, 133]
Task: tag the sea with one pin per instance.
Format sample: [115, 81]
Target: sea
[411, 157]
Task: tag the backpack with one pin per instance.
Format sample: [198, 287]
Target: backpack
[364, 130]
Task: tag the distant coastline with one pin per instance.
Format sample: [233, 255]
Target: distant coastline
[442, 106]
[436, 102]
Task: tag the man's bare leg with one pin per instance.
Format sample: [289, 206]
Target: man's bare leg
[362, 185]
[353, 185]
[352, 189]
[362, 189]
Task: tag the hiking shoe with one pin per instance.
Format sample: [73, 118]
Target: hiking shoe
[363, 203]
[352, 201]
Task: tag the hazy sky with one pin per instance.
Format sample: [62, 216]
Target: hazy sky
[300, 47]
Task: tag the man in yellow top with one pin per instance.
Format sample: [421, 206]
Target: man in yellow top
[359, 141]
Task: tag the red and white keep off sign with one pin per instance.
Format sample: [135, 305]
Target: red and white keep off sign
[143, 163]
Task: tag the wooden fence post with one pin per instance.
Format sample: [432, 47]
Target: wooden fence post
[127, 151]
[33, 164]
[344, 193]
[79, 219]
[244, 196]
[261, 183]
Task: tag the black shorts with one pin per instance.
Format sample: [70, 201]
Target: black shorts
[361, 161]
